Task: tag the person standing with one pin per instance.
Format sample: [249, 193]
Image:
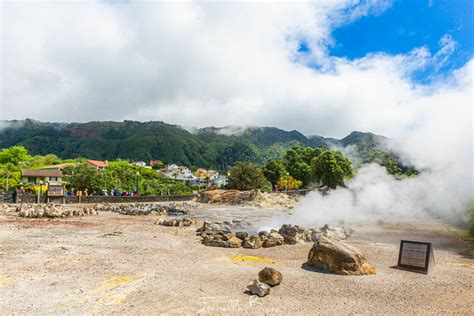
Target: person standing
[15, 195]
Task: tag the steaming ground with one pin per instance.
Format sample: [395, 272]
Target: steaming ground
[373, 195]
[78, 267]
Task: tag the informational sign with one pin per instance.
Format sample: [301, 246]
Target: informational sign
[55, 190]
[415, 256]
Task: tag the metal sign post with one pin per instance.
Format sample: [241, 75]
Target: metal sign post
[416, 256]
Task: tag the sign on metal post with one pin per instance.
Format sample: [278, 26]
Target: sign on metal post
[55, 190]
[415, 256]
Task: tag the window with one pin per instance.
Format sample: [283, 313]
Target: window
[32, 180]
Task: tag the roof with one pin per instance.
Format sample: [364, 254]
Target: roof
[60, 166]
[98, 163]
[41, 173]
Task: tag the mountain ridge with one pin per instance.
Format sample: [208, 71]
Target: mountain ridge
[216, 147]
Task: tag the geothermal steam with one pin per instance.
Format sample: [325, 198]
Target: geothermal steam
[440, 144]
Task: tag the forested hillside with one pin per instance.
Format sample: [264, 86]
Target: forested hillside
[208, 147]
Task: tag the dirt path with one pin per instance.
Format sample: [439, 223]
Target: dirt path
[113, 263]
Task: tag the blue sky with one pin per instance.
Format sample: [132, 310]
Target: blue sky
[408, 24]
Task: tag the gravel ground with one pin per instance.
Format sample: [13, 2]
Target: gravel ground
[113, 263]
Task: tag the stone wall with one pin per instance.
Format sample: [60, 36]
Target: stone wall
[133, 199]
[28, 197]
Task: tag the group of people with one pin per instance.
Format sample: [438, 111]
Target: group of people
[115, 192]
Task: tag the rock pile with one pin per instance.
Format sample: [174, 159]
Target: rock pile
[52, 211]
[226, 226]
[338, 257]
[333, 233]
[8, 207]
[176, 222]
[295, 234]
[173, 209]
[252, 198]
[219, 234]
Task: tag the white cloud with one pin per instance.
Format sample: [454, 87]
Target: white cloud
[201, 64]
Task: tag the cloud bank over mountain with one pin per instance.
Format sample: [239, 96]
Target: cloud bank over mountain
[202, 64]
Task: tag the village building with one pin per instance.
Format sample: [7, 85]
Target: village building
[154, 163]
[139, 164]
[98, 164]
[200, 173]
[35, 177]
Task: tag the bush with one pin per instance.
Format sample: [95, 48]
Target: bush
[248, 176]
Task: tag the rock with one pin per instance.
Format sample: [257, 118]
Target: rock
[181, 222]
[338, 257]
[334, 233]
[241, 235]
[213, 227]
[293, 234]
[227, 226]
[259, 288]
[50, 211]
[234, 242]
[218, 239]
[273, 239]
[173, 209]
[253, 242]
[215, 243]
[270, 276]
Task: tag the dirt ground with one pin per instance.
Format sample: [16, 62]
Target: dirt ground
[120, 264]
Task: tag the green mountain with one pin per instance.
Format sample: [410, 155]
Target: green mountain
[209, 147]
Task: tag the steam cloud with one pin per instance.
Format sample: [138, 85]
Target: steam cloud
[441, 146]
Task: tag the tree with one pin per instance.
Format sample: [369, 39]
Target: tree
[297, 161]
[46, 160]
[274, 170]
[83, 176]
[248, 176]
[386, 160]
[331, 168]
[289, 182]
[14, 155]
[9, 176]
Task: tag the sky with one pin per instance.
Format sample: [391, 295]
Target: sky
[323, 67]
